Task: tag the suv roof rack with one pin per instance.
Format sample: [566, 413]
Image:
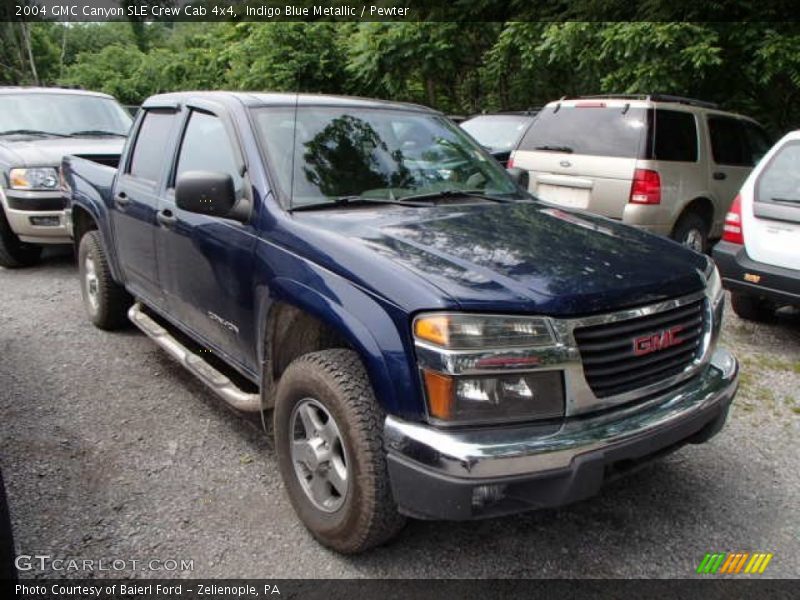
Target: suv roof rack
[656, 98]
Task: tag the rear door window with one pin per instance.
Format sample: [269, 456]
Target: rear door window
[593, 129]
[728, 142]
[152, 143]
[758, 142]
[673, 135]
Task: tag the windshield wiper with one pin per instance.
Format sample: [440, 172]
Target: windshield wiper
[352, 201]
[456, 194]
[31, 132]
[566, 149]
[97, 132]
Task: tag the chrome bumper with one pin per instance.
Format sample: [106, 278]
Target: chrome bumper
[37, 226]
[534, 449]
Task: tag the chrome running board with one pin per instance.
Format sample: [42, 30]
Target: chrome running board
[219, 383]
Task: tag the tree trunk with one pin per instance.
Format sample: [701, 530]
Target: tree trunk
[26, 40]
[430, 88]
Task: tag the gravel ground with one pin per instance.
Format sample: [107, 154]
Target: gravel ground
[111, 451]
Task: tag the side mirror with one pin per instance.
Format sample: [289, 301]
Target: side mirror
[207, 193]
[520, 176]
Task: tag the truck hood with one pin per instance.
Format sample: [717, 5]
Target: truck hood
[527, 257]
[48, 152]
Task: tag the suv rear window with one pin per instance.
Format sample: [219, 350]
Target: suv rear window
[592, 129]
[780, 180]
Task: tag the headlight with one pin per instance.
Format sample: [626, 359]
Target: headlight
[39, 178]
[494, 398]
[464, 332]
[480, 369]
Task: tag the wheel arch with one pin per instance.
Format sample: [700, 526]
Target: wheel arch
[702, 206]
[87, 218]
[297, 319]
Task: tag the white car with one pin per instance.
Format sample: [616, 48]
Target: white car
[759, 255]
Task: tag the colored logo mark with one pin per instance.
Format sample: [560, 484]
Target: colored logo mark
[734, 563]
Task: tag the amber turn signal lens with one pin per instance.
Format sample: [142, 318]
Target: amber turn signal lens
[435, 329]
[439, 391]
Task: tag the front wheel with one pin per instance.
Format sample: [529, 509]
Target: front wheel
[106, 302]
[328, 437]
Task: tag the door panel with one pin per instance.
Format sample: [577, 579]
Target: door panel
[731, 163]
[136, 200]
[206, 262]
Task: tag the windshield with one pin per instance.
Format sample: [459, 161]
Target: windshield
[498, 132]
[372, 153]
[62, 114]
[592, 130]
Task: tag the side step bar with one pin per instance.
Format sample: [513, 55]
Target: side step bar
[219, 383]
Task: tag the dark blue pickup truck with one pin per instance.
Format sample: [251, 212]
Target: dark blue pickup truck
[429, 340]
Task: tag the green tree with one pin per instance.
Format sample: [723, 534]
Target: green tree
[286, 56]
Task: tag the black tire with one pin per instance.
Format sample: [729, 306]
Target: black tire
[752, 308]
[107, 305]
[336, 380]
[691, 231]
[15, 254]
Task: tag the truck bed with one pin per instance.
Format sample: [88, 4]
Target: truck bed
[91, 177]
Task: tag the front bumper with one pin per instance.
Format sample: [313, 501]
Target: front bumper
[458, 475]
[740, 273]
[36, 217]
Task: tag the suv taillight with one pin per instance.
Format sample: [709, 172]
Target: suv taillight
[510, 162]
[733, 231]
[646, 187]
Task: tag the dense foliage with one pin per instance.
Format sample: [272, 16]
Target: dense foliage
[750, 67]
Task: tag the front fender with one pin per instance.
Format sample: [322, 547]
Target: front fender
[374, 333]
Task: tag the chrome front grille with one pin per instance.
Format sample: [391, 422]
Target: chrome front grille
[629, 354]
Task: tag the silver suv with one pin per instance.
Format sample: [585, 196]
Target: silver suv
[667, 164]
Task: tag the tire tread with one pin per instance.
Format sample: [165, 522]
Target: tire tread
[379, 519]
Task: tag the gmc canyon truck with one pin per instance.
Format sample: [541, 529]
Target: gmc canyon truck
[428, 339]
[38, 127]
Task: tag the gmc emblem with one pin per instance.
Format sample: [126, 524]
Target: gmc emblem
[657, 341]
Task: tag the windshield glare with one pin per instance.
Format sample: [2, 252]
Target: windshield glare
[372, 153]
[62, 114]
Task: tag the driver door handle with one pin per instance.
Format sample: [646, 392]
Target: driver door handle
[719, 176]
[166, 218]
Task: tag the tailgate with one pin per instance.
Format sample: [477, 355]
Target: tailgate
[600, 184]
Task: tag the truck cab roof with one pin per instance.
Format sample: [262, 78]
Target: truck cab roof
[261, 99]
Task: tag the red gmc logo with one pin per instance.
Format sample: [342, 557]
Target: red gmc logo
[653, 342]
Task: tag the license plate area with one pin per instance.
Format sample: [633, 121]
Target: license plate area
[569, 197]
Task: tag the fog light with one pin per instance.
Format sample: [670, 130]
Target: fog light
[484, 495]
[45, 221]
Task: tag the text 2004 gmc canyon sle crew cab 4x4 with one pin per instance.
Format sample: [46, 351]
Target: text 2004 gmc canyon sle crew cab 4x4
[431, 340]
